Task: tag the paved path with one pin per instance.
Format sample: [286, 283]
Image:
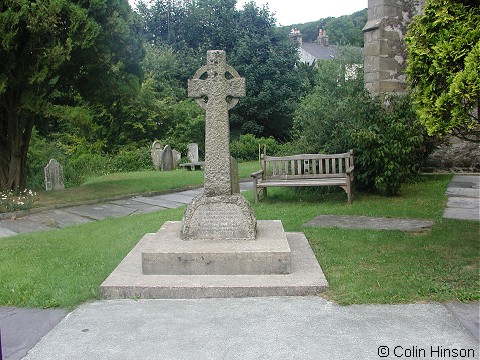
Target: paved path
[463, 198]
[255, 328]
[463, 203]
[60, 218]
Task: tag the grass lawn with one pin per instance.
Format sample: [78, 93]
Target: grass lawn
[62, 268]
[127, 184]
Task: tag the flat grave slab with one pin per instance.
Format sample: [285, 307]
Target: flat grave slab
[373, 223]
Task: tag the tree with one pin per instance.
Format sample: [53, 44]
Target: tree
[444, 67]
[255, 47]
[57, 55]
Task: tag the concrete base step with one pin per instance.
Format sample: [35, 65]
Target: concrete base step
[305, 278]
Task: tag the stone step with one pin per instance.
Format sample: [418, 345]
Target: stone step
[305, 278]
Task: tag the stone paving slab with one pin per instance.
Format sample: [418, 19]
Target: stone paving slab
[24, 225]
[184, 199]
[58, 218]
[462, 202]
[374, 223]
[158, 201]
[254, 328]
[464, 198]
[4, 232]
[193, 193]
[466, 192]
[468, 314]
[101, 211]
[22, 328]
[139, 207]
[461, 214]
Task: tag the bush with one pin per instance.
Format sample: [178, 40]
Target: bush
[80, 167]
[131, 160]
[389, 142]
[245, 148]
[391, 148]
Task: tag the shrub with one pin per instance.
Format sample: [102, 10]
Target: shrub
[391, 148]
[245, 148]
[80, 167]
[389, 142]
[131, 160]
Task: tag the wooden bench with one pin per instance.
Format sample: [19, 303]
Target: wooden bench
[305, 170]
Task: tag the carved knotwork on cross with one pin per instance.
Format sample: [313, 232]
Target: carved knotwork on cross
[217, 87]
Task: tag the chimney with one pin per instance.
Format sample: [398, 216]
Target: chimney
[322, 38]
[296, 36]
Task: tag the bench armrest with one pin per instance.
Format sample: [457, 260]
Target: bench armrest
[350, 170]
[256, 174]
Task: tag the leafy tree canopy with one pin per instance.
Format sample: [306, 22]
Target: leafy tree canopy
[444, 67]
[254, 46]
[57, 58]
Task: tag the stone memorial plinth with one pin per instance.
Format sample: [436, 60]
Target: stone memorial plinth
[219, 249]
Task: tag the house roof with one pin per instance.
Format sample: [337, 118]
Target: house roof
[320, 51]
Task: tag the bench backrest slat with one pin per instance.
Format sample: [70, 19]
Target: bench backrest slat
[305, 166]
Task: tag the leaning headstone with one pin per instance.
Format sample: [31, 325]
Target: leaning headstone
[218, 214]
[54, 175]
[192, 153]
[167, 158]
[156, 152]
[177, 155]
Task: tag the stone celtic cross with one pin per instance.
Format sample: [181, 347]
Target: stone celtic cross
[217, 87]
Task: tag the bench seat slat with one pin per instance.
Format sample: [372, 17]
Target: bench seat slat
[304, 182]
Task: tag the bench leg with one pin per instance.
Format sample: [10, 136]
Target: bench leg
[264, 192]
[347, 190]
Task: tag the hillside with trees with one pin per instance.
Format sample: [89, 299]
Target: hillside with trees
[344, 30]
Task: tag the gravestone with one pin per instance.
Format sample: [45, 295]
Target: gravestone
[218, 213]
[156, 152]
[54, 175]
[192, 153]
[167, 158]
[177, 155]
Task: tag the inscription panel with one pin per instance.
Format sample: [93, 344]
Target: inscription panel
[219, 218]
